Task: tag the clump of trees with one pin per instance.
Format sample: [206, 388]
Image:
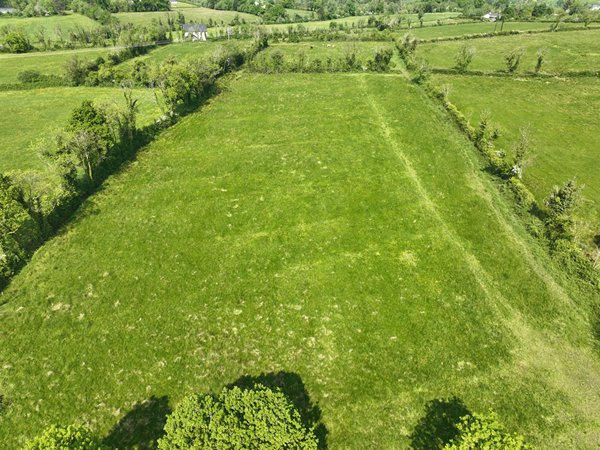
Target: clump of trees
[16, 42]
[235, 418]
[72, 437]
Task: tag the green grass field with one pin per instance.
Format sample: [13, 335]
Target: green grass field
[195, 15]
[356, 20]
[31, 113]
[323, 50]
[185, 50]
[431, 32]
[334, 226]
[572, 50]
[301, 12]
[559, 114]
[47, 63]
[29, 25]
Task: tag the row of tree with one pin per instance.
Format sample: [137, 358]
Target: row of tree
[97, 9]
[264, 418]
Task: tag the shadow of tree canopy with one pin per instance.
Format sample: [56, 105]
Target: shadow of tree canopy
[438, 426]
[292, 386]
[141, 427]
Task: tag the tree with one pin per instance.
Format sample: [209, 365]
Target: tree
[541, 58]
[464, 57]
[561, 203]
[16, 42]
[521, 152]
[513, 59]
[485, 432]
[72, 437]
[251, 419]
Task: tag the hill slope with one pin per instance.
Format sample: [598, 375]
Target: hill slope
[334, 227]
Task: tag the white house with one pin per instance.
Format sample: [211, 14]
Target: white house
[491, 16]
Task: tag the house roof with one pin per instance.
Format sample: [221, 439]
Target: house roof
[195, 27]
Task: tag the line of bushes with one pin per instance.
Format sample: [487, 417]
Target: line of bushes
[275, 62]
[553, 221]
[95, 142]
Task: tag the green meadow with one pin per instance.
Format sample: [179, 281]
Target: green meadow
[335, 50]
[47, 63]
[452, 30]
[559, 115]
[33, 113]
[336, 227]
[66, 23]
[193, 14]
[570, 50]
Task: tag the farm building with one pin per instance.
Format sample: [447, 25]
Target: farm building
[491, 16]
[195, 31]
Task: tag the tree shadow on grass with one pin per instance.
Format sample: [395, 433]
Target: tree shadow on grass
[292, 386]
[439, 424]
[141, 427]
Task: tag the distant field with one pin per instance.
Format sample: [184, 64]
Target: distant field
[184, 50]
[323, 50]
[192, 14]
[357, 20]
[562, 117]
[27, 115]
[571, 50]
[47, 63]
[334, 227]
[301, 12]
[431, 32]
[67, 23]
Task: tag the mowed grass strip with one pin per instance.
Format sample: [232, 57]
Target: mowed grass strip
[559, 115]
[33, 114]
[565, 51]
[333, 226]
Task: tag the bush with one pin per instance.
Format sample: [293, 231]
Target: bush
[16, 42]
[485, 432]
[29, 76]
[464, 57]
[250, 419]
[513, 59]
[72, 437]
[381, 60]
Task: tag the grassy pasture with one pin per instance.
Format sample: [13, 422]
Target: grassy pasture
[195, 14]
[348, 21]
[572, 50]
[29, 114]
[47, 63]
[560, 115]
[28, 25]
[333, 226]
[185, 50]
[430, 32]
[301, 12]
[323, 50]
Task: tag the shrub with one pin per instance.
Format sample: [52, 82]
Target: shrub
[250, 419]
[561, 203]
[381, 60]
[72, 437]
[464, 58]
[485, 432]
[29, 76]
[513, 59]
[541, 58]
[16, 42]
